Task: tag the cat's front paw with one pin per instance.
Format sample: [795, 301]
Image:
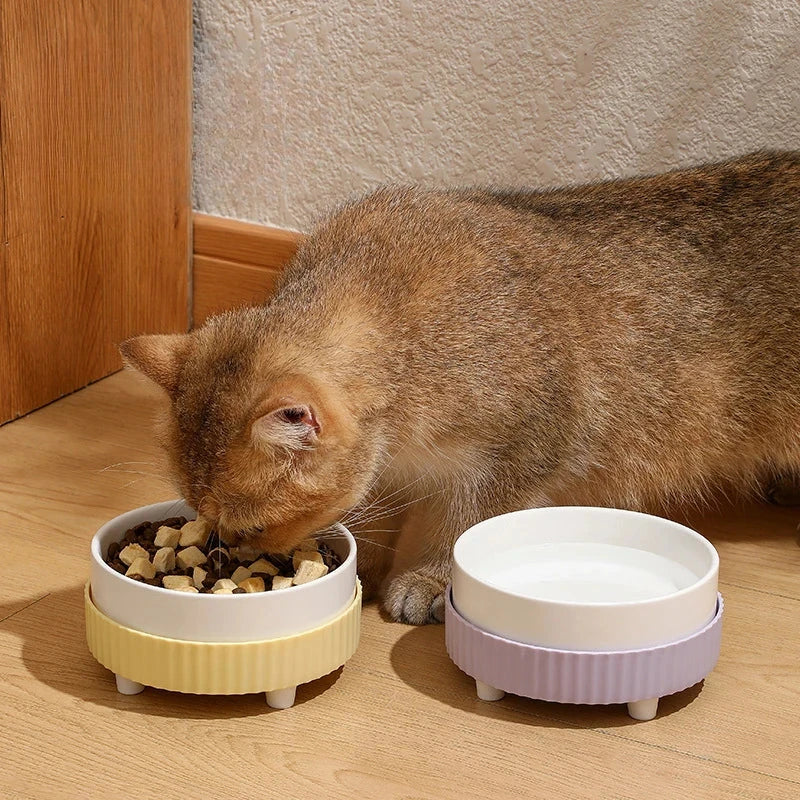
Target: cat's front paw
[415, 597]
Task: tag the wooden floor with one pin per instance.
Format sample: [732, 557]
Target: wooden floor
[399, 720]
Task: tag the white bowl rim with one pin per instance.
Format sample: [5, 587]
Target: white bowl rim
[204, 596]
[708, 576]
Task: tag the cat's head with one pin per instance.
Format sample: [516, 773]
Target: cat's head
[257, 440]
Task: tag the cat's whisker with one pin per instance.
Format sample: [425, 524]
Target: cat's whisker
[138, 472]
[371, 542]
[376, 530]
[378, 502]
[174, 507]
[386, 466]
[127, 463]
[387, 508]
[396, 509]
[421, 477]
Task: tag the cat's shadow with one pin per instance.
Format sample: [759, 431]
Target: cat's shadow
[419, 658]
[55, 653]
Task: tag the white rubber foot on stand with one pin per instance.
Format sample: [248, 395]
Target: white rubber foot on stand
[281, 698]
[124, 686]
[486, 692]
[643, 709]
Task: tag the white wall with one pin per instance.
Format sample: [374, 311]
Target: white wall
[300, 104]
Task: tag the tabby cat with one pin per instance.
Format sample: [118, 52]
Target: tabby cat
[435, 357]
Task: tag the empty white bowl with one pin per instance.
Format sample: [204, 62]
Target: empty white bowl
[588, 579]
[217, 618]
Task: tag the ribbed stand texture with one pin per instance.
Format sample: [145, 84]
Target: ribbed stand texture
[565, 676]
[224, 667]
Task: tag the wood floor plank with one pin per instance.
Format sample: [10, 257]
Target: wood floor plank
[346, 736]
[758, 545]
[752, 694]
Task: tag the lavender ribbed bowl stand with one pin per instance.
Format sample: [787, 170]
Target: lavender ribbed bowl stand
[636, 677]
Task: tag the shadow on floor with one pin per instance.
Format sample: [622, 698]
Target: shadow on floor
[743, 520]
[54, 651]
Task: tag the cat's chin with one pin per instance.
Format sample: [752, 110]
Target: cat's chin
[232, 538]
[255, 537]
[274, 539]
[239, 535]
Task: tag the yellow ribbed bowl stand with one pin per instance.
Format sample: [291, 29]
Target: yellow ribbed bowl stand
[274, 666]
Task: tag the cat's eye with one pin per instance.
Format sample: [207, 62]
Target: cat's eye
[292, 426]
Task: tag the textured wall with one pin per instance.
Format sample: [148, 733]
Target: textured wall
[300, 104]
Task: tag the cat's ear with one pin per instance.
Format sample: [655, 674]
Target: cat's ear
[292, 425]
[159, 357]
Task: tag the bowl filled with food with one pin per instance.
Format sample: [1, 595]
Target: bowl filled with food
[170, 605]
[585, 605]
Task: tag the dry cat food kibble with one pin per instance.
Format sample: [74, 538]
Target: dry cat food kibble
[187, 556]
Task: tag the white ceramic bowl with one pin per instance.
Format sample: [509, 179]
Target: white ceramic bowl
[216, 618]
[593, 579]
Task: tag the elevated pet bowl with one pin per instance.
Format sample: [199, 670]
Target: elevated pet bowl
[219, 644]
[584, 605]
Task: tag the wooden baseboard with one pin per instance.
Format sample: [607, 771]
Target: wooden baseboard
[235, 263]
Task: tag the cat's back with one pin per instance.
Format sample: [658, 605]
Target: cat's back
[756, 197]
[716, 228]
[766, 180]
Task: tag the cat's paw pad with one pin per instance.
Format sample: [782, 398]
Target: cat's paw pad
[416, 598]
